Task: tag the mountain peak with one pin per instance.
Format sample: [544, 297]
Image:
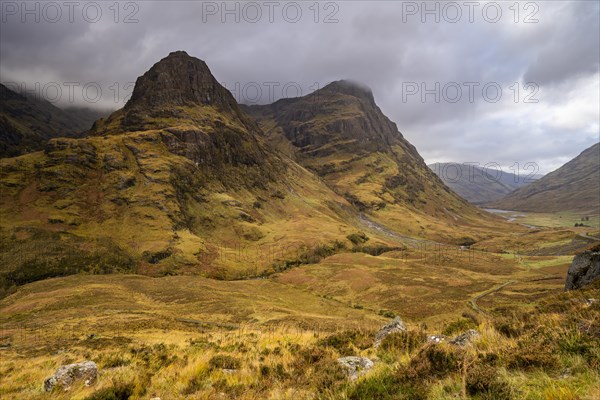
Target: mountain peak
[179, 80]
[178, 53]
[178, 87]
[351, 88]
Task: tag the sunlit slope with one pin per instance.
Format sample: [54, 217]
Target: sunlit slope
[179, 181]
[340, 133]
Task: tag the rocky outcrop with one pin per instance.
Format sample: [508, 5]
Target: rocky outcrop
[584, 270]
[178, 103]
[340, 117]
[340, 131]
[67, 375]
[395, 326]
[180, 80]
[355, 366]
[465, 338]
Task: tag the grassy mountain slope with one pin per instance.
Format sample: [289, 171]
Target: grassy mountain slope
[477, 185]
[573, 187]
[341, 134]
[178, 181]
[182, 181]
[26, 123]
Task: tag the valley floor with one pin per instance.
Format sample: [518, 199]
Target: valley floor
[278, 338]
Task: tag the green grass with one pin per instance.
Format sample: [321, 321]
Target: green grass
[558, 220]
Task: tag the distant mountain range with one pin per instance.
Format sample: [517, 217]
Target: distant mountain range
[26, 123]
[573, 187]
[479, 185]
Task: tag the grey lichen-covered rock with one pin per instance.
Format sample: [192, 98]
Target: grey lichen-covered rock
[395, 326]
[465, 338]
[355, 365]
[67, 375]
[584, 270]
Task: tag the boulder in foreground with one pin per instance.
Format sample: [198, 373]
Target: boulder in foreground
[355, 365]
[584, 270]
[67, 375]
[395, 326]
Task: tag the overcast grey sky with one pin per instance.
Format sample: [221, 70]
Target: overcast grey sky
[542, 55]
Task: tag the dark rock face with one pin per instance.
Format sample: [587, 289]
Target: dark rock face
[342, 116]
[584, 270]
[162, 93]
[180, 80]
[339, 129]
[198, 119]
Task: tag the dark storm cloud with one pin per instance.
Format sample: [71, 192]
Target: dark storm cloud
[382, 44]
[572, 47]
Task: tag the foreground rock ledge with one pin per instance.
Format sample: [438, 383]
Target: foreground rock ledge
[584, 270]
[395, 326]
[67, 375]
[355, 366]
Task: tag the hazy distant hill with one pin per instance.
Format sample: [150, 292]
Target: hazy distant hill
[478, 185]
[84, 116]
[573, 187]
[26, 123]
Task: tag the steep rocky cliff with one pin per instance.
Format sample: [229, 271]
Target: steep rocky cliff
[584, 270]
